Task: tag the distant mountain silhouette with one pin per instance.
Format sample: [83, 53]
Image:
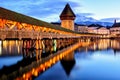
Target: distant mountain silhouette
[100, 23]
[85, 19]
[89, 20]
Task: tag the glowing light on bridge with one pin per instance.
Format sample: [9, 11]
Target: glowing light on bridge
[0, 47]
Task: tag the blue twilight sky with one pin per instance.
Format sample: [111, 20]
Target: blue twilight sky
[49, 10]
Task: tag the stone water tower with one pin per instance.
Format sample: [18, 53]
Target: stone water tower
[67, 17]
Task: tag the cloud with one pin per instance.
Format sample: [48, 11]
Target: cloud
[82, 17]
[45, 10]
[84, 14]
[110, 19]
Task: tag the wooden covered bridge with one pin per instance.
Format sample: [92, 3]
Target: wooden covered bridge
[18, 26]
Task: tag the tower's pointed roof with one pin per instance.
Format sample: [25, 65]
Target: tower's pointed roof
[67, 12]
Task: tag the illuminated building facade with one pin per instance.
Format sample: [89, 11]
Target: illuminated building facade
[103, 30]
[93, 28]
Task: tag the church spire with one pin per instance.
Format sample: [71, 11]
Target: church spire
[115, 21]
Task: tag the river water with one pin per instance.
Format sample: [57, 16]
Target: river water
[98, 61]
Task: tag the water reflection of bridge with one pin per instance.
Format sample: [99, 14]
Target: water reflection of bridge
[35, 61]
[36, 57]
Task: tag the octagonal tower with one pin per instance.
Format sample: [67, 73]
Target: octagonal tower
[67, 17]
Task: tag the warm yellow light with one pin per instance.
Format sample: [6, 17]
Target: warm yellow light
[0, 47]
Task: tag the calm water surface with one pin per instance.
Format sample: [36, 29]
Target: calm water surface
[10, 52]
[100, 61]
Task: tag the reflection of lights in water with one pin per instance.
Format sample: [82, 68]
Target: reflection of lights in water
[115, 44]
[18, 47]
[0, 47]
[86, 49]
[10, 46]
[47, 64]
[94, 46]
[103, 44]
[5, 44]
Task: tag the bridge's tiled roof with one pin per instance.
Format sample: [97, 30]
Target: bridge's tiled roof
[14, 16]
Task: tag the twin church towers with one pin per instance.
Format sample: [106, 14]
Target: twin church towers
[67, 18]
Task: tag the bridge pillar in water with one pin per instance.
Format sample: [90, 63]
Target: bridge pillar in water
[47, 43]
[58, 44]
[38, 43]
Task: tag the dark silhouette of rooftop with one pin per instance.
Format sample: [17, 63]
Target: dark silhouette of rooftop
[95, 25]
[116, 25]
